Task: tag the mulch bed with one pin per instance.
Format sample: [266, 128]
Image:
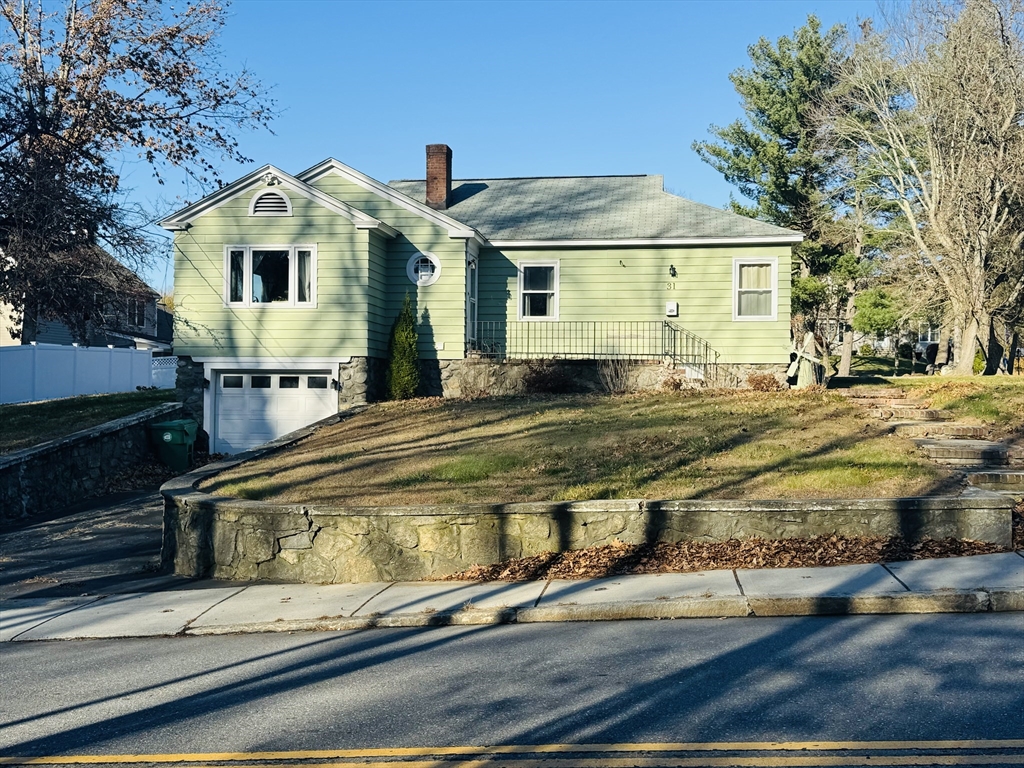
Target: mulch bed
[619, 559]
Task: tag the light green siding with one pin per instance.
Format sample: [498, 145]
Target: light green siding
[632, 284]
[339, 325]
[441, 307]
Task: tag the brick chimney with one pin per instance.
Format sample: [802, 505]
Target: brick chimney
[439, 176]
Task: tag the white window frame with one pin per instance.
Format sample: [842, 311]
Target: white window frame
[293, 276]
[752, 261]
[520, 268]
[133, 308]
[261, 193]
[410, 269]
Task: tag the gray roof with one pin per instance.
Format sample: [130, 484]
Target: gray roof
[586, 208]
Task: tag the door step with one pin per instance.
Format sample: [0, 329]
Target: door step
[867, 393]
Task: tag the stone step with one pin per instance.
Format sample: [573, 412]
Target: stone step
[894, 393]
[964, 453]
[1011, 480]
[940, 429]
[909, 414]
[885, 402]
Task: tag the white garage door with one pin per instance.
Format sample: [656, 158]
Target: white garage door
[255, 407]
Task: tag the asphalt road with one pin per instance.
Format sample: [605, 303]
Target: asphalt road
[936, 677]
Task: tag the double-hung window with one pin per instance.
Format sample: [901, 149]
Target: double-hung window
[755, 289]
[538, 290]
[270, 275]
[136, 313]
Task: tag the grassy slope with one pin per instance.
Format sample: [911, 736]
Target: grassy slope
[26, 424]
[690, 445]
[996, 401]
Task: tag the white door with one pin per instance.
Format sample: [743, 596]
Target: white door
[254, 407]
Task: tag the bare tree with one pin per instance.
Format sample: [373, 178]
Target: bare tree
[84, 85]
[937, 103]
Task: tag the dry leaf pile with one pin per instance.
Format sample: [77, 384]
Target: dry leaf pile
[618, 558]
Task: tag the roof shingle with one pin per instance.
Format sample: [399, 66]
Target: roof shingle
[586, 208]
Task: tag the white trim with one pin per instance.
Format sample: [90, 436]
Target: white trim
[182, 219]
[456, 229]
[293, 276]
[263, 192]
[736, 264]
[519, 290]
[796, 237]
[410, 269]
[267, 363]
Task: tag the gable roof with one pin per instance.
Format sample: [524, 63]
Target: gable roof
[592, 208]
[456, 228]
[256, 179]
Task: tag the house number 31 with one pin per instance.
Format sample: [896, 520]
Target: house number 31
[670, 286]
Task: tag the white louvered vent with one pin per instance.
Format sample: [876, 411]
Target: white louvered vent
[271, 204]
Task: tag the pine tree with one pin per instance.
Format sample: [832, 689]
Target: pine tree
[403, 375]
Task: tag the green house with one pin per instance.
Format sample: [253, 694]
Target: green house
[286, 286]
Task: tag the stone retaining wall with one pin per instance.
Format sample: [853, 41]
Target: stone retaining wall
[206, 535]
[67, 470]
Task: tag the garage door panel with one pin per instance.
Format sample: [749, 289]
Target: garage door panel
[261, 409]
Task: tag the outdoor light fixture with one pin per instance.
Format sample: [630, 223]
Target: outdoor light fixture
[206, 383]
[672, 270]
[335, 385]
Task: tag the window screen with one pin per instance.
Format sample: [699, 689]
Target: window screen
[755, 290]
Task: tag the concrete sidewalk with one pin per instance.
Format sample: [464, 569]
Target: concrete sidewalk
[967, 584]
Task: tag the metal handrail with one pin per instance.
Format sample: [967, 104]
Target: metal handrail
[594, 340]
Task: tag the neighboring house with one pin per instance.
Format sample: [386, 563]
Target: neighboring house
[287, 286]
[135, 321]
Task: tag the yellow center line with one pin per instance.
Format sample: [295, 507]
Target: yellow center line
[523, 749]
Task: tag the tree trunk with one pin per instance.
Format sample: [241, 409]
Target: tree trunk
[964, 363]
[1011, 358]
[942, 356]
[993, 349]
[846, 356]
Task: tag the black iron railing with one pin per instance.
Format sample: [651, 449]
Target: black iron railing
[598, 340]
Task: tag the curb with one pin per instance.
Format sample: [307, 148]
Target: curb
[942, 601]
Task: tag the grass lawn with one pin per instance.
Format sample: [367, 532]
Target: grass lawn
[26, 424]
[691, 445]
[869, 365]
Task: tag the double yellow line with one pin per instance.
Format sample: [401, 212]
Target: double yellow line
[628, 755]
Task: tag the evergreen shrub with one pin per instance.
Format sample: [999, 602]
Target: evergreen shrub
[403, 375]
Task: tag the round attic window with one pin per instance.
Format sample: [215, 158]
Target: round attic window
[423, 269]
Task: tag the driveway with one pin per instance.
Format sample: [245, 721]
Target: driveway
[111, 544]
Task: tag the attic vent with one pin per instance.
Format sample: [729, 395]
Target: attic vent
[270, 204]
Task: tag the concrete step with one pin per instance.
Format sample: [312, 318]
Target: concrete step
[964, 453]
[1003, 480]
[909, 414]
[940, 429]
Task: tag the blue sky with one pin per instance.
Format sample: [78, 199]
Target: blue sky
[515, 88]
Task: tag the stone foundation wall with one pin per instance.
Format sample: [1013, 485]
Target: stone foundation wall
[482, 378]
[247, 540]
[189, 387]
[65, 471]
[362, 381]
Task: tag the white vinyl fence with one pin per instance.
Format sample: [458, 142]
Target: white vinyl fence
[46, 371]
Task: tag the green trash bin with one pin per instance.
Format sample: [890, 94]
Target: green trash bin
[174, 441]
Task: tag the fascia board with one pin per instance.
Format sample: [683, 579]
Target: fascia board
[796, 237]
[455, 229]
[183, 218]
